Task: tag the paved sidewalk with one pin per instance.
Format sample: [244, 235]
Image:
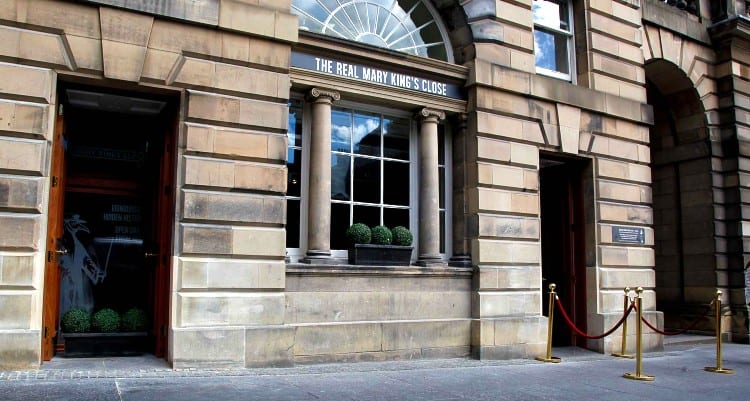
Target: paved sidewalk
[581, 376]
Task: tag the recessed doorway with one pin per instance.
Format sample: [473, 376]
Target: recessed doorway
[110, 214]
[563, 232]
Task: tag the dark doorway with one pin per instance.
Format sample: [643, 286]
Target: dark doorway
[563, 242]
[111, 209]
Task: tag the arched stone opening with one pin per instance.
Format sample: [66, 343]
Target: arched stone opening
[683, 200]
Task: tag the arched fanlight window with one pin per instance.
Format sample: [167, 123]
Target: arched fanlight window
[409, 26]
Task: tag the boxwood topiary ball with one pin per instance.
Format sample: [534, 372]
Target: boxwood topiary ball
[105, 321]
[359, 233]
[381, 235]
[134, 319]
[402, 236]
[76, 321]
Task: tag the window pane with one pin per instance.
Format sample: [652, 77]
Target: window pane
[369, 215]
[396, 138]
[339, 224]
[551, 51]
[551, 13]
[340, 177]
[366, 134]
[292, 223]
[294, 176]
[294, 127]
[395, 217]
[441, 144]
[341, 130]
[396, 183]
[441, 173]
[366, 180]
[442, 232]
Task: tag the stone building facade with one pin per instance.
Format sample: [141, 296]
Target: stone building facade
[200, 160]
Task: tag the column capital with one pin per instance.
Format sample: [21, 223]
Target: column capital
[323, 94]
[430, 114]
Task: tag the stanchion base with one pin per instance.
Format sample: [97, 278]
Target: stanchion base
[718, 370]
[619, 355]
[552, 359]
[633, 376]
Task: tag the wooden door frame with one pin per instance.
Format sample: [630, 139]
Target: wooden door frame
[55, 210]
[165, 192]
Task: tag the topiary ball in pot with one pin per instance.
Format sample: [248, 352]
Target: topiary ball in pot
[134, 319]
[381, 235]
[105, 321]
[402, 236]
[76, 321]
[359, 233]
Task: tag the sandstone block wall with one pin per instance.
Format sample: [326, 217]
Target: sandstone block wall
[228, 270]
[516, 113]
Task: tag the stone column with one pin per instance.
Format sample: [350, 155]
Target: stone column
[429, 188]
[461, 254]
[319, 175]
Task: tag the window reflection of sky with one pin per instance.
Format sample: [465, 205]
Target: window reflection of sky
[545, 50]
[548, 13]
[547, 44]
[343, 130]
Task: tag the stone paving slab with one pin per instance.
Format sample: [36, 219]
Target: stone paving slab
[581, 376]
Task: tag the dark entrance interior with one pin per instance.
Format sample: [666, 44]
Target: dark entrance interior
[111, 204]
[693, 217]
[563, 229]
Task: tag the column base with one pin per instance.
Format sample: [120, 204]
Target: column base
[430, 261]
[460, 261]
[315, 257]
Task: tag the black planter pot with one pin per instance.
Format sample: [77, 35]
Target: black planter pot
[82, 345]
[380, 255]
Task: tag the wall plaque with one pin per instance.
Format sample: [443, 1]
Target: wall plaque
[628, 235]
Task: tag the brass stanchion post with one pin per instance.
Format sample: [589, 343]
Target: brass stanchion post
[638, 375]
[549, 357]
[623, 348]
[718, 368]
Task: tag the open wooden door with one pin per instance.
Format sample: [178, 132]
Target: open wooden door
[162, 238]
[54, 234]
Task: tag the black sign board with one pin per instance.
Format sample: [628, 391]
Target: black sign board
[374, 75]
[629, 235]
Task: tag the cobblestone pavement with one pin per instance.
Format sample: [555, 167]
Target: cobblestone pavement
[581, 376]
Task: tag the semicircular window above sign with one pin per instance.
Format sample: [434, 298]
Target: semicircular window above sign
[409, 26]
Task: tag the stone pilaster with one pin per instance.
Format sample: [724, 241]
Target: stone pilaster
[429, 188]
[461, 244]
[319, 206]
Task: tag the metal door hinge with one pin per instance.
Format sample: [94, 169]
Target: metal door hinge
[46, 331]
[55, 181]
[60, 110]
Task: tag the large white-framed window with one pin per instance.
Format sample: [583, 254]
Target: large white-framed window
[374, 174]
[553, 38]
[371, 170]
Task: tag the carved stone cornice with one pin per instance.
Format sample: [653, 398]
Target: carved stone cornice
[323, 94]
[430, 114]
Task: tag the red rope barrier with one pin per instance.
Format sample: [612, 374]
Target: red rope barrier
[674, 333]
[582, 334]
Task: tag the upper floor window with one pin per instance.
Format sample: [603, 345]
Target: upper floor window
[409, 26]
[553, 38]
